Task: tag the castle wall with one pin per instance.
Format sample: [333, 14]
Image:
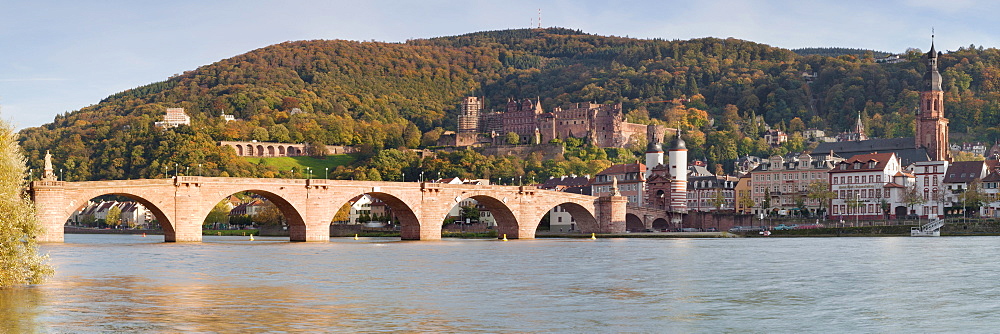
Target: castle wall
[602, 124]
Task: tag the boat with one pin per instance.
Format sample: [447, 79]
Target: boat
[931, 229]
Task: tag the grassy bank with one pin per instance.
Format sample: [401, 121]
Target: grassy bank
[378, 234]
[318, 165]
[230, 232]
[470, 235]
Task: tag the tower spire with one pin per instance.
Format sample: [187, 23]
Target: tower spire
[932, 127]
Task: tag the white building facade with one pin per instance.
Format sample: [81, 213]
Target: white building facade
[868, 186]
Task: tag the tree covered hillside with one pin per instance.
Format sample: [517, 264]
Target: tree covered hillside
[394, 95]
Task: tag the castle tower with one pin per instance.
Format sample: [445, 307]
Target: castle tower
[654, 156]
[468, 120]
[932, 127]
[678, 172]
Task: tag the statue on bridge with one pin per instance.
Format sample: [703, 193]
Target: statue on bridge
[49, 174]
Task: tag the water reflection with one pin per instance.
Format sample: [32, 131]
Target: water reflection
[20, 309]
[124, 284]
[138, 304]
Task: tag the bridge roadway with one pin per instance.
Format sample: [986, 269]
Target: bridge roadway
[181, 204]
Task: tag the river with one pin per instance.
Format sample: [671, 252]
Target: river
[128, 283]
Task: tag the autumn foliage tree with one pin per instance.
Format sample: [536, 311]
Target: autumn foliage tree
[20, 262]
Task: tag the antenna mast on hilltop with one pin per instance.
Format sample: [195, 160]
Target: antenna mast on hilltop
[539, 18]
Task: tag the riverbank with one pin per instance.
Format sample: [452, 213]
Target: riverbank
[94, 230]
[971, 228]
[546, 234]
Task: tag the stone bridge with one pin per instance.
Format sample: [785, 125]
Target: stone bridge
[181, 204]
[638, 219]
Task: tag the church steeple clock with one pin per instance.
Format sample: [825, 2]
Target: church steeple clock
[932, 127]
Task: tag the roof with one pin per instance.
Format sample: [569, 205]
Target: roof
[695, 170]
[992, 164]
[892, 185]
[584, 190]
[992, 176]
[559, 183]
[905, 149]
[965, 171]
[623, 169]
[880, 159]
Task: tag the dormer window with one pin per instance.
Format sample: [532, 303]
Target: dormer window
[857, 165]
[871, 164]
[843, 166]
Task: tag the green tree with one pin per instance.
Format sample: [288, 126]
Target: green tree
[470, 212]
[279, 133]
[819, 191]
[765, 205]
[20, 263]
[316, 149]
[259, 134]
[973, 198]
[114, 217]
[269, 215]
[219, 214]
[512, 138]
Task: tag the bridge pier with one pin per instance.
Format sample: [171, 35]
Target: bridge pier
[183, 233]
[611, 212]
[49, 197]
[310, 233]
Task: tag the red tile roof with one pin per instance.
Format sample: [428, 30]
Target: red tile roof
[881, 160]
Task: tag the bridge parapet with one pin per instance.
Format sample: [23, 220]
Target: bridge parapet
[430, 187]
[48, 184]
[188, 181]
[318, 183]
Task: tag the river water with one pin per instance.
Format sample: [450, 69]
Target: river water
[125, 283]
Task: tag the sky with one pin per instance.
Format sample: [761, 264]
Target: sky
[60, 56]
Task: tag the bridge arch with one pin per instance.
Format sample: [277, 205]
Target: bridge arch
[80, 199]
[661, 224]
[506, 220]
[584, 217]
[293, 215]
[633, 223]
[408, 221]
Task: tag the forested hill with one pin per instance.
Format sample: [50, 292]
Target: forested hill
[390, 95]
[837, 52]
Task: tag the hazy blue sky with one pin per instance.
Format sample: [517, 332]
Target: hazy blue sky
[59, 56]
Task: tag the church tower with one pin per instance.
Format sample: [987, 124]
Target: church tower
[932, 127]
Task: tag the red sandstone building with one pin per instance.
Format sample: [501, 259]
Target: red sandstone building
[601, 125]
